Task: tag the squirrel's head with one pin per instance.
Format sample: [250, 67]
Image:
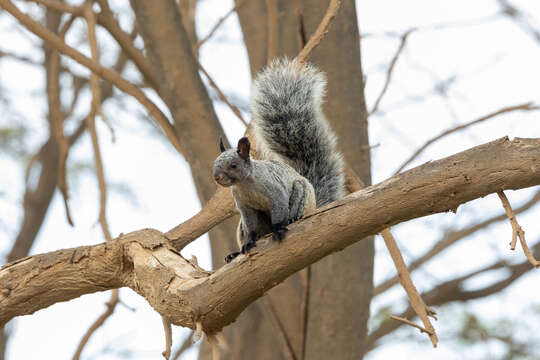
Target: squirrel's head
[232, 166]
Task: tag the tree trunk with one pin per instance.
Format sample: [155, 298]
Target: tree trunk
[322, 312]
[341, 284]
[181, 88]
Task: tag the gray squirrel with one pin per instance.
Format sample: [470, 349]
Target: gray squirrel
[300, 168]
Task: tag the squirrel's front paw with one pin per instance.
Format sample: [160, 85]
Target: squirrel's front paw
[278, 231]
[231, 256]
[248, 245]
[293, 219]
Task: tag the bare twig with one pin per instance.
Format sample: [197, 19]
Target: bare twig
[521, 107]
[61, 6]
[391, 69]
[520, 18]
[36, 201]
[94, 50]
[111, 304]
[405, 279]
[218, 24]
[354, 184]
[125, 40]
[57, 118]
[106, 73]
[408, 322]
[185, 345]
[21, 58]
[100, 175]
[270, 312]
[95, 107]
[517, 231]
[198, 332]
[453, 290]
[322, 29]
[221, 95]
[449, 238]
[106, 19]
[168, 337]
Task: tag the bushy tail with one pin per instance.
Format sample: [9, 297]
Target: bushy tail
[288, 121]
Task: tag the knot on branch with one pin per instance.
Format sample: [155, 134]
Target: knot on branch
[167, 280]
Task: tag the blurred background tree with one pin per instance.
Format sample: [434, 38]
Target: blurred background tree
[438, 78]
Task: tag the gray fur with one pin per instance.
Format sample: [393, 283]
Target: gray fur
[301, 169]
[297, 200]
[289, 126]
[224, 173]
[263, 191]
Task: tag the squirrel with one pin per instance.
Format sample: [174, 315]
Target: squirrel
[300, 168]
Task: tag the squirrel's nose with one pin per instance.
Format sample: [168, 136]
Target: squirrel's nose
[218, 177]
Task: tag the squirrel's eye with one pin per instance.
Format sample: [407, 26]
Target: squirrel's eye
[233, 165]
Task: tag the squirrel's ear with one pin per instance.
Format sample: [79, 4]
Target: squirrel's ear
[221, 146]
[243, 148]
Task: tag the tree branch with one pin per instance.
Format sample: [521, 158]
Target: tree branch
[111, 305]
[108, 21]
[147, 263]
[522, 107]
[322, 29]
[185, 345]
[452, 290]
[105, 73]
[390, 70]
[517, 231]
[415, 300]
[238, 4]
[449, 238]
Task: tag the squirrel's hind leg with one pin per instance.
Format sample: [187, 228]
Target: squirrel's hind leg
[301, 201]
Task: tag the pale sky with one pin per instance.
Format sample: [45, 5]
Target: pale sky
[495, 64]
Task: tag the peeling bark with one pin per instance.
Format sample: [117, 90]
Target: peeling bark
[185, 294]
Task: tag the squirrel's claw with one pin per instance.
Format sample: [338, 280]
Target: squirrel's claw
[278, 232]
[248, 245]
[294, 219]
[231, 256]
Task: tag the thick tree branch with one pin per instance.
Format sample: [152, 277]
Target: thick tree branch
[185, 294]
[449, 238]
[219, 208]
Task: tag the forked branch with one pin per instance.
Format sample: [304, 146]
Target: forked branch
[146, 262]
[405, 279]
[517, 231]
